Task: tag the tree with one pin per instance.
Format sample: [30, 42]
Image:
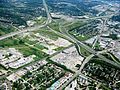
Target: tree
[113, 36]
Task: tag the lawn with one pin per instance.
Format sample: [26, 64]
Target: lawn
[82, 38]
[40, 46]
[40, 21]
[75, 25]
[19, 44]
[54, 25]
[47, 33]
[79, 37]
[9, 42]
[27, 51]
[84, 52]
[5, 29]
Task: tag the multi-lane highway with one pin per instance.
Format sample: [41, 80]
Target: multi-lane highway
[95, 53]
[71, 38]
[90, 49]
[49, 20]
[82, 66]
[65, 34]
[100, 33]
[21, 31]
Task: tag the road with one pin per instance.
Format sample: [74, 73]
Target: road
[73, 39]
[87, 59]
[95, 18]
[92, 55]
[102, 29]
[49, 20]
[82, 66]
[66, 33]
[95, 53]
[100, 33]
[29, 64]
[21, 31]
[90, 49]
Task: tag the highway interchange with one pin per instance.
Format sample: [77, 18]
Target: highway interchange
[64, 33]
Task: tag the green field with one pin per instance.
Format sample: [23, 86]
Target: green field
[11, 42]
[84, 52]
[54, 25]
[20, 45]
[79, 37]
[76, 24]
[27, 51]
[47, 33]
[40, 21]
[5, 29]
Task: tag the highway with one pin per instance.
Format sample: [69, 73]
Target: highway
[82, 66]
[102, 28]
[95, 18]
[100, 33]
[71, 38]
[61, 35]
[65, 34]
[95, 53]
[92, 55]
[88, 58]
[90, 49]
[49, 20]
[21, 31]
